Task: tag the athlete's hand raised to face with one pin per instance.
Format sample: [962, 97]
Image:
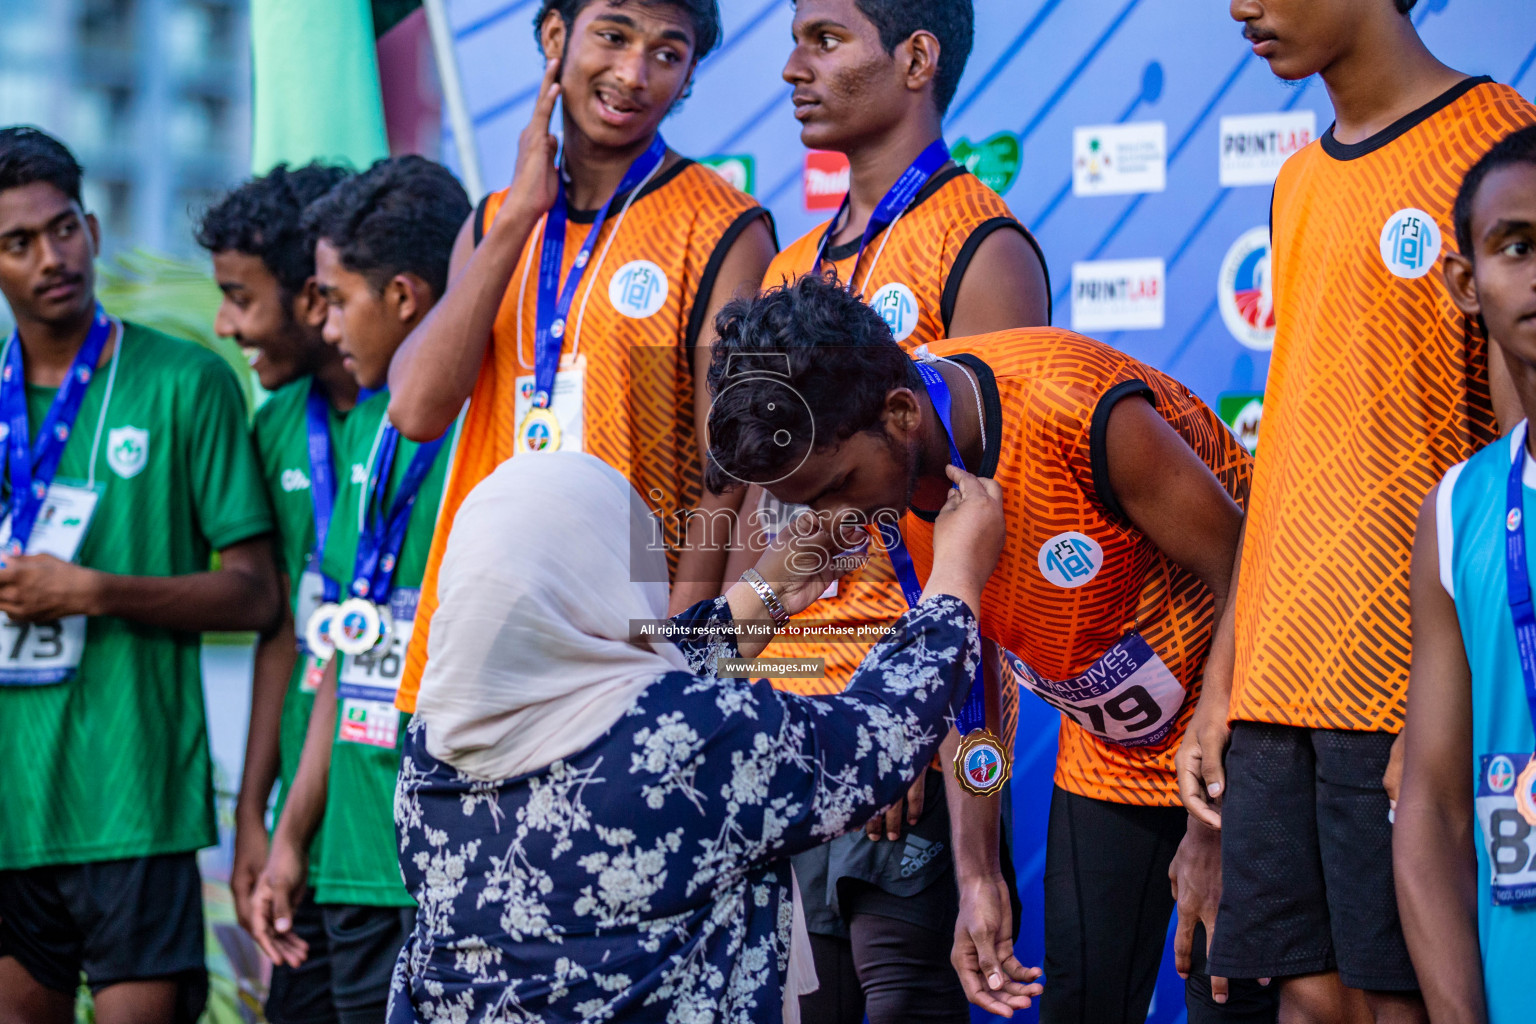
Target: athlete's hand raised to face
[535, 180]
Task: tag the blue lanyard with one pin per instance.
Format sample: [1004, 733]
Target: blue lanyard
[383, 534]
[322, 478]
[554, 301]
[896, 200]
[1517, 575]
[30, 469]
[974, 715]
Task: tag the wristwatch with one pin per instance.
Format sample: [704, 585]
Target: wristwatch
[754, 579]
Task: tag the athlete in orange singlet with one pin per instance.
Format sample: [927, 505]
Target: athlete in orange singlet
[872, 79]
[675, 244]
[1123, 494]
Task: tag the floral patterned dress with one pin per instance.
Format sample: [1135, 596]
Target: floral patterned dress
[647, 877]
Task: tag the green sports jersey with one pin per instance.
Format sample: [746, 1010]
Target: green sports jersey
[113, 762]
[282, 444]
[359, 859]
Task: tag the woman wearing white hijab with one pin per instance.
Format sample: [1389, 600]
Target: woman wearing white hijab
[597, 828]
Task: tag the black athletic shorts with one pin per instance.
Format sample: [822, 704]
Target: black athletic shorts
[1306, 859]
[302, 994]
[364, 943]
[138, 919]
[1107, 907]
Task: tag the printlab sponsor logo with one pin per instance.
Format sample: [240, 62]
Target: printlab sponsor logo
[1070, 559]
[1117, 159]
[995, 160]
[1245, 290]
[1114, 295]
[740, 170]
[1410, 243]
[127, 450]
[638, 290]
[294, 480]
[1253, 146]
[897, 306]
[826, 180]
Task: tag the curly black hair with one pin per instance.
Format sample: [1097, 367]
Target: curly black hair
[703, 14]
[263, 217]
[801, 367]
[29, 155]
[1516, 148]
[952, 22]
[399, 216]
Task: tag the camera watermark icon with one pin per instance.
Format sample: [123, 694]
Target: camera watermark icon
[771, 372]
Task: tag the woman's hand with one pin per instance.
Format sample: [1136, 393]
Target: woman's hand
[804, 559]
[967, 538]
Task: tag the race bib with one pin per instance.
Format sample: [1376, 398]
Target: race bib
[375, 676]
[1507, 837]
[561, 431]
[374, 723]
[1127, 697]
[44, 653]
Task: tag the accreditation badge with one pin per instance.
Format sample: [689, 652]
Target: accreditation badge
[359, 626]
[45, 653]
[981, 764]
[558, 426]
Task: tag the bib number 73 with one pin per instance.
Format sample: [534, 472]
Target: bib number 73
[40, 653]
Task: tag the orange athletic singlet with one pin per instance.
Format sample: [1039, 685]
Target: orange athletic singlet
[1377, 386]
[634, 322]
[911, 273]
[1098, 620]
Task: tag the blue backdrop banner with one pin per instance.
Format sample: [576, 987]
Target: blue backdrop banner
[1138, 139]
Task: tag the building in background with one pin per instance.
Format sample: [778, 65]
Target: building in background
[152, 95]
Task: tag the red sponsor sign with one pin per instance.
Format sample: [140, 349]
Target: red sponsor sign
[825, 180]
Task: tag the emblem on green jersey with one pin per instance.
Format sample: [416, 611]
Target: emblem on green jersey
[996, 160]
[127, 450]
[738, 169]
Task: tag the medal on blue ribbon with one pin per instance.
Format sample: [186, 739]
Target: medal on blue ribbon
[362, 621]
[891, 206]
[30, 468]
[322, 496]
[540, 428]
[1518, 583]
[981, 765]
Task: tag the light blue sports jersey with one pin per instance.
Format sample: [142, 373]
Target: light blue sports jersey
[1470, 527]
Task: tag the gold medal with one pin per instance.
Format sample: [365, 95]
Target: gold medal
[981, 763]
[539, 431]
[1525, 802]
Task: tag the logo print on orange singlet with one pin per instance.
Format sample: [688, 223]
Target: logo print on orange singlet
[1410, 243]
[897, 306]
[1070, 559]
[638, 290]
